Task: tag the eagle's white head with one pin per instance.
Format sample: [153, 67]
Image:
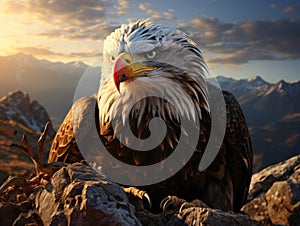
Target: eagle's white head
[142, 59]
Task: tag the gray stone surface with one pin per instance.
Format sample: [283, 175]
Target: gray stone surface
[77, 195]
[274, 197]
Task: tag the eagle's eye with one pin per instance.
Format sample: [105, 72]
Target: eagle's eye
[151, 55]
[112, 58]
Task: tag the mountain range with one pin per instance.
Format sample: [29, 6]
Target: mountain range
[51, 83]
[273, 115]
[272, 109]
[264, 102]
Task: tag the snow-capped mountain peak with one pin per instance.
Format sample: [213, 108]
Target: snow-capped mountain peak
[241, 86]
[284, 87]
[257, 81]
[257, 86]
[78, 64]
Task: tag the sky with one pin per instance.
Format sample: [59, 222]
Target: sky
[239, 39]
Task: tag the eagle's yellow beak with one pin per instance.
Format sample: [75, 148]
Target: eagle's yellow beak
[125, 69]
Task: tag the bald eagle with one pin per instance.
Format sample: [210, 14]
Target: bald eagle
[151, 71]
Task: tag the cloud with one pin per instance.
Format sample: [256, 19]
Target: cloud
[209, 30]
[169, 14]
[225, 42]
[240, 42]
[45, 52]
[292, 9]
[78, 12]
[144, 6]
[95, 32]
[68, 18]
[274, 5]
[156, 15]
[122, 8]
[80, 19]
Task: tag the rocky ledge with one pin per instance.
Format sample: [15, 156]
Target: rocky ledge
[274, 197]
[75, 194]
[78, 195]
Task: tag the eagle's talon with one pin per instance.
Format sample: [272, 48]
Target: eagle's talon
[138, 196]
[146, 196]
[171, 201]
[165, 202]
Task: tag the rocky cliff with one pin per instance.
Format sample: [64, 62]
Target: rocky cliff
[18, 107]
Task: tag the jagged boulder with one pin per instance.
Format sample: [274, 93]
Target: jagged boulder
[79, 195]
[18, 107]
[75, 195]
[274, 197]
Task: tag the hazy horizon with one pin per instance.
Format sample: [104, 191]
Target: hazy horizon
[97, 64]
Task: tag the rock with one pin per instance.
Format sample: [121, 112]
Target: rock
[213, 217]
[75, 195]
[274, 197]
[78, 195]
[18, 107]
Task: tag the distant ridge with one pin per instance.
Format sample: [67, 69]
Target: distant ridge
[264, 102]
[51, 83]
[273, 113]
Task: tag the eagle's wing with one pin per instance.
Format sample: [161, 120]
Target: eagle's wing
[238, 150]
[77, 125]
[228, 176]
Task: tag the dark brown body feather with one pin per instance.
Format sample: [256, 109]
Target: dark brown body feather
[224, 184]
